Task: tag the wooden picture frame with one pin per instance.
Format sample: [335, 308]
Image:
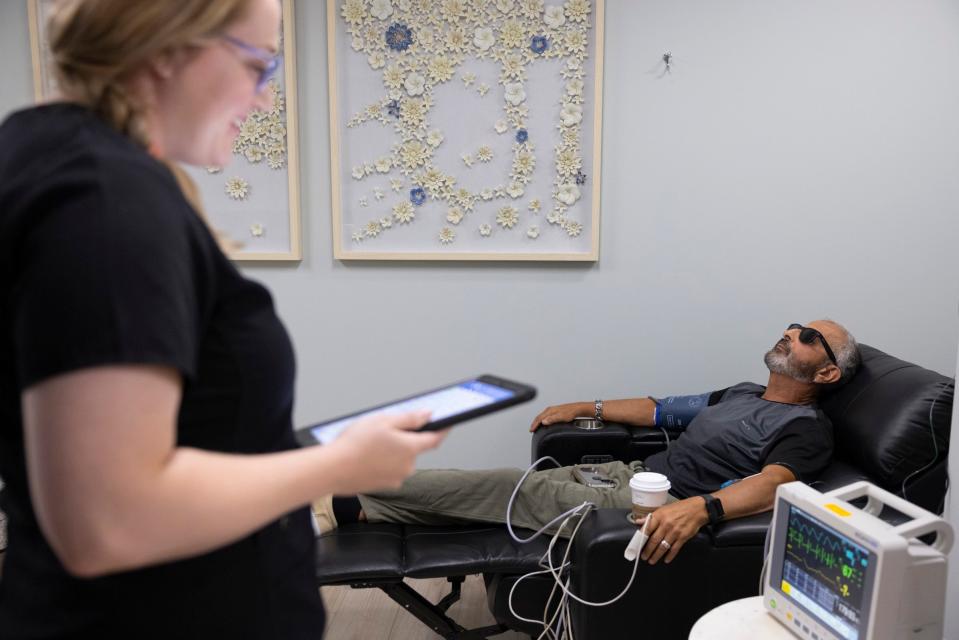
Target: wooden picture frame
[263, 224]
[447, 140]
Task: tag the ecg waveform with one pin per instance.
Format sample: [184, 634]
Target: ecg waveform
[826, 567]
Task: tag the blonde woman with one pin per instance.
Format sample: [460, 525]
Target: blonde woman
[153, 487]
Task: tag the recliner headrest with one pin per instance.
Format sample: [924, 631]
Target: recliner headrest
[886, 416]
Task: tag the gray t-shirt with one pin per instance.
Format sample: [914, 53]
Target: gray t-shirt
[741, 434]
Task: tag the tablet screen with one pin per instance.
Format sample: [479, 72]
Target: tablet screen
[449, 401]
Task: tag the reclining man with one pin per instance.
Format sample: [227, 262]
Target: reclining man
[739, 444]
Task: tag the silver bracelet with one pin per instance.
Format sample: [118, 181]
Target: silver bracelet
[598, 406]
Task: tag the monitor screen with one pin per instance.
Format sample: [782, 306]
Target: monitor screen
[827, 574]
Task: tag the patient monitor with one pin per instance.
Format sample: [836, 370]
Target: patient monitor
[838, 571]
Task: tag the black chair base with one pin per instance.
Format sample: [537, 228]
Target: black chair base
[433, 615]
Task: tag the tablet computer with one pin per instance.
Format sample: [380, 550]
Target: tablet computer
[450, 405]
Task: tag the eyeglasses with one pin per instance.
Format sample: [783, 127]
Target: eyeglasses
[808, 335]
[269, 59]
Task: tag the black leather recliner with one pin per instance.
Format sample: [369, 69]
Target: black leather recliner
[892, 424]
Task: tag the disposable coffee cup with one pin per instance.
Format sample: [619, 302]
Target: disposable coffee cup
[650, 492]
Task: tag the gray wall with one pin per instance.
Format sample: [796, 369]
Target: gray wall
[800, 161]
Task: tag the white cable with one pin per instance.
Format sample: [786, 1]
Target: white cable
[512, 498]
[587, 602]
[935, 445]
[562, 617]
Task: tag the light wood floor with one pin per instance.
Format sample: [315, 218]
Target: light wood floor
[369, 614]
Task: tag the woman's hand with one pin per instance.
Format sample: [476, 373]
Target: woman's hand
[379, 452]
[561, 413]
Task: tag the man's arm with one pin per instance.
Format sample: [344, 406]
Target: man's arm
[636, 411]
[678, 522]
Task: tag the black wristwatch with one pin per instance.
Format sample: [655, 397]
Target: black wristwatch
[714, 508]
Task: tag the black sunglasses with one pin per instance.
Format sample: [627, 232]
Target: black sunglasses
[808, 335]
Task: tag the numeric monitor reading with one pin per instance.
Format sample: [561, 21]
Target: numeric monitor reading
[825, 572]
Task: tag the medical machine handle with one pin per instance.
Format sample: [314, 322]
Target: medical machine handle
[923, 521]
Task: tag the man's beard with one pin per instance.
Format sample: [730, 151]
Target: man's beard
[780, 362]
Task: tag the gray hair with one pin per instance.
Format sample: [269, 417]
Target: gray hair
[847, 355]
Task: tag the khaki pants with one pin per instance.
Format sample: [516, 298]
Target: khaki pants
[454, 496]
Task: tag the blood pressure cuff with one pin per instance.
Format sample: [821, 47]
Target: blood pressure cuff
[676, 412]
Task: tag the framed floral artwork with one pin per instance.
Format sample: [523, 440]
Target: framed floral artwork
[465, 129]
[254, 201]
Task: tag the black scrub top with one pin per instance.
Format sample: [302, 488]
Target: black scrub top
[103, 262]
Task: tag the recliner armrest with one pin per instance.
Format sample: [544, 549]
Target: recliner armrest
[568, 443]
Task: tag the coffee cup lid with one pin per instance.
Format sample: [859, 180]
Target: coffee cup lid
[649, 481]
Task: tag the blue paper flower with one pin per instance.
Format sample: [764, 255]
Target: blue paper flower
[393, 108]
[580, 177]
[399, 37]
[417, 196]
[539, 44]
[522, 136]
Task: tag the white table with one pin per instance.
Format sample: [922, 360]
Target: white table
[744, 619]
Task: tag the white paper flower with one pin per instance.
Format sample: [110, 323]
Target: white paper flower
[357, 236]
[441, 69]
[372, 229]
[501, 126]
[504, 5]
[507, 217]
[554, 17]
[573, 229]
[532, 233]
[484, 153]
[468, 78]
[454, 215]
[514, 190]
[434, 138]
[574, 87]
[571, 114]
[447, 235]
[482, 89]
[393, 76]
[368, 168]
[467, 159]
[353, 11]
[381, 9]
[357, 43]
[486, 194]
[515, 94]
[415, 83]
[378, 194]
[483, 38]
[404, 212]
[485, 230]
[377, 60]
[237, 188]
[577, 10]
[567, 193]
[396, 184]
[576, 42]
[358, 172]
[212, 169]
[386, 222]
[534, 205]
[383, 164]
[364, 201]
[257, 230]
